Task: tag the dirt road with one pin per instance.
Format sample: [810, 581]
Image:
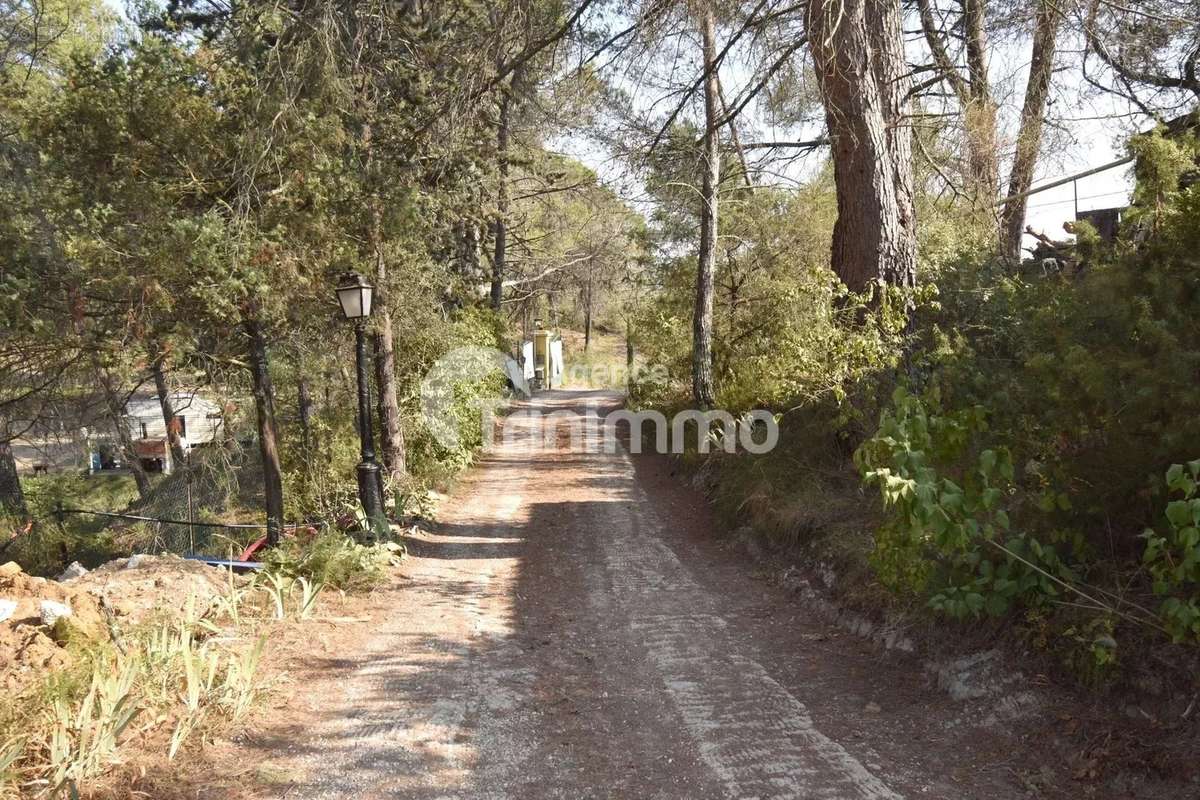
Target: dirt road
[574, 628]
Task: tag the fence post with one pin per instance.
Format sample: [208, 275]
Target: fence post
[191, 512]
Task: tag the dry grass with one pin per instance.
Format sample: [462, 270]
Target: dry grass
[805, 500]
[147, 692]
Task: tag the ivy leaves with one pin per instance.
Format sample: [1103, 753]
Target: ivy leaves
[951, 538]
[1173, 558]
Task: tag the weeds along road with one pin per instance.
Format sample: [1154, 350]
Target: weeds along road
[575, 628]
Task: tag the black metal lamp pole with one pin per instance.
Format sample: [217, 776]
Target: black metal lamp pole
[369, 477]
[354, 295]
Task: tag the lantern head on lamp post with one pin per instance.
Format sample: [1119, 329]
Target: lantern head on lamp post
[355, 295]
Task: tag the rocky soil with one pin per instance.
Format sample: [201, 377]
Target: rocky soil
[40, 618]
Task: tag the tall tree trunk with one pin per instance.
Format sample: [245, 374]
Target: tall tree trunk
[1029, 137]
[264, 406]
[702, 315]
[859, 57]
[587, 314]
[365, 28]
[384, 348]
[466, 240]
[629, 347]
[304, 407]
[387, 403]
[973, 93]
[12, 499]
[500, 254]
[157, 357]
[115, 405]
[980, 112]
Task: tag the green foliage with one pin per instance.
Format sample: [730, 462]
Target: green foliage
[333, 559]
[83, 538]
[948, 532]
[44, 493]
[1078, 378]
[1173, 557]
[431, 462]
[73, 489]
[786, 334]
[213, 172]
[1080, 374]
[1161, 161]
[1012, 468]
[319, 478]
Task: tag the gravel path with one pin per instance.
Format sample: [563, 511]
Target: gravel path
[573, 629]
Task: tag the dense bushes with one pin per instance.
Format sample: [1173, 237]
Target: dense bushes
[1084, 375]
[941, 518]
[430, 460]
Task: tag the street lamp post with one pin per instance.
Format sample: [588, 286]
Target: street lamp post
[354, 296]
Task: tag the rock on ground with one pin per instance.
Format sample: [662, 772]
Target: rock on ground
[40, 611]
[76, 570]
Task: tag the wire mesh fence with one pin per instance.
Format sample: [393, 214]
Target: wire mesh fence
[180, 536]
[189, 510]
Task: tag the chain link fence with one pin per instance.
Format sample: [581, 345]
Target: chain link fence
[188, 511]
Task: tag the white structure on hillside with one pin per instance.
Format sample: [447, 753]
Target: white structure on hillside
[542, 358]
[197, 419]
[85, 439]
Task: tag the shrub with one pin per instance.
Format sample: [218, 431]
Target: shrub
[1017, 469]
[321, 482]
[1173, 557]
[1082, 374]
[166, 673]
[333, 559]
[948, 533]
[429, 460]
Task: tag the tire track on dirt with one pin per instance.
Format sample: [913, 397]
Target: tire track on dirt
[754, 734]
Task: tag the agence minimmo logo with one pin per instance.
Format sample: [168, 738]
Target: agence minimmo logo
[589, 425]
